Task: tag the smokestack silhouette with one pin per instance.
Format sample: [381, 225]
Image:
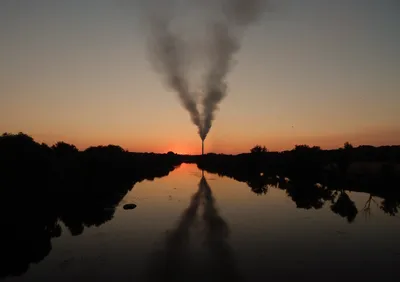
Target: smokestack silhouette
[202, 147]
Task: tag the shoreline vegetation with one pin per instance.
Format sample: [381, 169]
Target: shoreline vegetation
[44, 187]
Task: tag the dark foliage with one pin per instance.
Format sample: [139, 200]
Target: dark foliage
[42, 186]
[373, 170]
[345, 207]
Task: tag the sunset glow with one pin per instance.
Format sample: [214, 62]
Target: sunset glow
[312, 75]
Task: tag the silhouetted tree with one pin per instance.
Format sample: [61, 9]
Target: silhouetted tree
[301, 148]
[347, 146]
[64, 149]
[258, 149]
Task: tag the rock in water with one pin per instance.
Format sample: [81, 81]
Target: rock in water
[129, 206]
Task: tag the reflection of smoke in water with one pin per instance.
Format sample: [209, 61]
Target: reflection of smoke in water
[171, 263]
[217, 232]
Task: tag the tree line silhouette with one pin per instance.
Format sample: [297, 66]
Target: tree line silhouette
[313, 177]
[42, 186]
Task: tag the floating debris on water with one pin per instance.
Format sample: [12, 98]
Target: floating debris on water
[129, 206]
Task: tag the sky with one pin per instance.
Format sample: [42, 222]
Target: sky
[317, 72]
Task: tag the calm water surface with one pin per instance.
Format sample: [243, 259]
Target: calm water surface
[217, 229]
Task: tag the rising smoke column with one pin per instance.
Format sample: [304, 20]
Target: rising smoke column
[224, 44]
[167, 50]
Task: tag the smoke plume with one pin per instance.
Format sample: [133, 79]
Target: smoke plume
[224, 42]
[167, 51]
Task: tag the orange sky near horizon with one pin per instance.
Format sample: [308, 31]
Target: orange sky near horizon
[192, 144]
[317, 72]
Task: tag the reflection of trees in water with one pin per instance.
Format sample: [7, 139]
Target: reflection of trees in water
[302, 190]
[344, 207]
[390, 206]
[258, 185]
[311, 196]
[359, 169]
[25, 240]
[42, 186]
[307, 195]
[94, 206]
[367, 206]
[170, 263]
[29, 221]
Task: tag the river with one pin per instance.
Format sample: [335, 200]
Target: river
[195, 226]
